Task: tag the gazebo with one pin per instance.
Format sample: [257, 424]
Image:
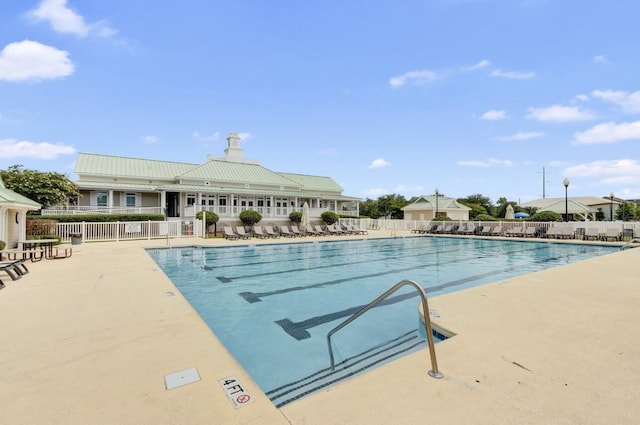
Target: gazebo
[575, 210]
[13, 215]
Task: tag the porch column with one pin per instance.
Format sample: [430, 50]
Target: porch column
[163, 202]
[110, 199]
[3, 228]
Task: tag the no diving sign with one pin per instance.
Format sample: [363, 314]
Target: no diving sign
[235, 391]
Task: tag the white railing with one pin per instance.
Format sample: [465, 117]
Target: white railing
[226, 211]
[75, 209]
[130, 230]
[626, 228]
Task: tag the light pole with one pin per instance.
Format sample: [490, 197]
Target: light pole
[565, 182]
[437, 194]
[611, 196]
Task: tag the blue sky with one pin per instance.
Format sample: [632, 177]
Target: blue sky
[469, 96]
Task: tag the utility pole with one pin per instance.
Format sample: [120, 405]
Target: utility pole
[544, 183]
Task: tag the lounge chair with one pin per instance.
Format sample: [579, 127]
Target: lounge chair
[463, 229]
[357, 231]
[592, 233]
[420, 229]
[297, 232]
[272, 233]
[257, 231]
[551, 232]
[529, 232]
[564, 233]
[15, 269]
[230, 234]
[334, 230]
[319, 230]
[472, 229]
[611, 234]
[496, 231]
[284, 231]
[311, 231]
[242, 233]
[515, 231]
[486, 230]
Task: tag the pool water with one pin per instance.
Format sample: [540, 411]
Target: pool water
[273, 305]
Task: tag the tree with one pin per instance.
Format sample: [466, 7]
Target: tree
[211, 219]
[385, 205]
[626, 211]
[545, 216]
[250, 217]
[47, 188]
[478, 199]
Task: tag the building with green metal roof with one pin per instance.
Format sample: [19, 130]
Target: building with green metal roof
[13, 212]
[226, 186]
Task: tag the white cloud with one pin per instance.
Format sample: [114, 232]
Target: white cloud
[202, 138]
[494, 115]
[619, 171]
[30, 60]
[491, 162]
[379, 163]
[245, 136]
[580, 98]
[608, 132]
[11, 148]
[522, 135]
[628, 102]
[482, 64]
[512, 75]
[150, 140]
[413, 77]
[64, 20]
[599, 59]
[559, 113]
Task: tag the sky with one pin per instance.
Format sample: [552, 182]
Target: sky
[503, 98]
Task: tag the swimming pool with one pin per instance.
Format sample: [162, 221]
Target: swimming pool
[273, 305]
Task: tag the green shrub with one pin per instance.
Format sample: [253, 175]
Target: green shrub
[98, 218]
[485, 217]
[212, 218]
[3, 245]
[295, 217]
[250, 217]
[442, 218]
[545, 216]
[41, 227]
[329, 217]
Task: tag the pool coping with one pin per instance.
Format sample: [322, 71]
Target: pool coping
[92, 337]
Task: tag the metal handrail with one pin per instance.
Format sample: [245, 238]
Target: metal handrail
[629, 243]
[434, 373]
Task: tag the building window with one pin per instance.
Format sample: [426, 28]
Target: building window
[191, 199]
[101, 199]
[130, 200]
[223, 201]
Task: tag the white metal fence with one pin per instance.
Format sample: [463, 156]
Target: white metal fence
[118, 231]
[130, 230]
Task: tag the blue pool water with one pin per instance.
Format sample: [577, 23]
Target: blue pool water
[273, 305]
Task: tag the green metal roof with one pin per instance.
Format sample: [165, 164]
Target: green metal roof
[318, 183]
[118, 166]
[237, 172]
[429, 202]
[214, 174]
[10, 198]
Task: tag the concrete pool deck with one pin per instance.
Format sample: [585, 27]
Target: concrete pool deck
[89, 339]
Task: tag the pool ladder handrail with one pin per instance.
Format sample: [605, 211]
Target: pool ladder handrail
[636, 239]
[434, 372]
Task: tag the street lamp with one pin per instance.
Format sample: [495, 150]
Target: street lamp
[437, 194]
[611, 196]
[565, 182]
